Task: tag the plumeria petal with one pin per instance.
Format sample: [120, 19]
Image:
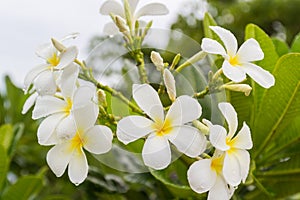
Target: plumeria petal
[78, 167]
[184, 109]
[98, 139]
[156, 152]
[66, 129]
[217, 137]
[169, 81]
[250, 51]
[230, 115]
[32, 74]
[58, 158]
[259, 75]
[243, 157]
[110, 29]
[220, 190]
[83, 96]
[30, 101]
[234, 73]
[188, 140]
[152, 9]
[148, 100]
[67, 57]
[133, 4]
[200, 176]
[243, 139]
[113, 7]
[45, 51]
[47, 105]
[212, 46]
[46, 131]
[132, 128]
[68, 80]
[85, 117]
[45, 83]
[231, 169]
[227, 38]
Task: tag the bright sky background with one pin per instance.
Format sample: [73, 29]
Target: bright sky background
[24, 24]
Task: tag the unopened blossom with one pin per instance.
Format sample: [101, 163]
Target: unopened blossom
[238, 88]
[116, 8]
[169, 81]
[238, 62]
[59, 121]
[205, 175]
[96, 139]
[237, 158]
[157, 60]
[44, 76]
[161, 129]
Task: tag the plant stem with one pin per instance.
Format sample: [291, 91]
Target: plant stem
[88, 75]
[139, 57]
[195, 58]
[202, 94]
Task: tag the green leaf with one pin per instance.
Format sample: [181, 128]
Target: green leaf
[280, 104]
[6, 136]
[25, 188]
[281, 46]
[3, 166]
[296, 44]
[175, 179]
[15, 100]
[288, 137]
[268, 63]
[208, 20]
[18, 131]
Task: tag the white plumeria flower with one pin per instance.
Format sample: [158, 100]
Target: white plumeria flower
[237, 63]
[59, 121]
[44, 76]
[237, 158]
[161, 129]
[95, 139]
[114, 7]
[206, 175]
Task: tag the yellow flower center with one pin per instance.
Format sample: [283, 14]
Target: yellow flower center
[54, 60]
[162, 128]
[217, 164]
[234, 61]
[77, 142]
[68, 107]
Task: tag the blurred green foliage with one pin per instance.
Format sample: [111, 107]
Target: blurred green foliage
[276, 17]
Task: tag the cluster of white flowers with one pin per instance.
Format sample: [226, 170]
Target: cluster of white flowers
[68, 107]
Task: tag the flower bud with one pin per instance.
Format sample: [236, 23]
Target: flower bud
[239, 88]
[121, 24]
[157, 60]
[102, 98]
[170, 84]
[58, 45]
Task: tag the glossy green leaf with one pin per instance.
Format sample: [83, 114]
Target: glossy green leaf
[25, 188]
[280, 46]
[6, 136]
[208, 20]
[280, 104]
[3, 166]
[268, 63]
[296, 44]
